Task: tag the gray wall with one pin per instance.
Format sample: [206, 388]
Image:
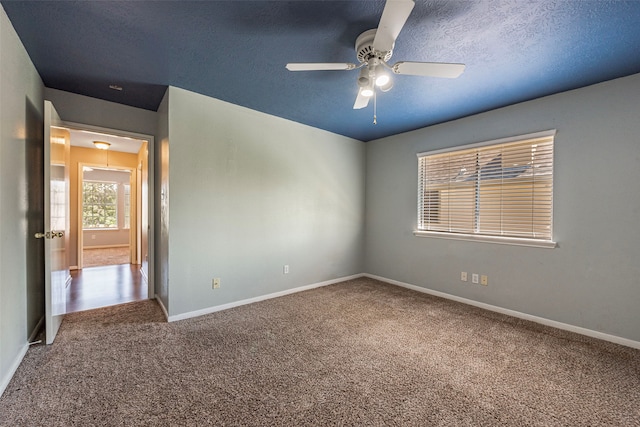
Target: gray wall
[592, 278]
[250, 193]
[21, 122]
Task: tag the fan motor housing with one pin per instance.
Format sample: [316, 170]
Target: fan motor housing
[364, 47]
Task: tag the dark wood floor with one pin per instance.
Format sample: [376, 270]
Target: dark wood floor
[96, 287]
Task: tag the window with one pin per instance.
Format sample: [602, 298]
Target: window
[58, 198]
[497, 191]
[99, 204]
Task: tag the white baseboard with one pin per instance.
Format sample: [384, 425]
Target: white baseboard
[12, 369]
[14, 366]
[227, 306]
[547, 322]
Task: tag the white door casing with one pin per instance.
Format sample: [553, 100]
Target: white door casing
[56, 219]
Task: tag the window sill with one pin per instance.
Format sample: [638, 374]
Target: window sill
[487, 239]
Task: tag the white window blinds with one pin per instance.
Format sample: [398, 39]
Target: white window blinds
[494, 189]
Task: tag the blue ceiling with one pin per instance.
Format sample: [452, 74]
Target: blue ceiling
[236, 51]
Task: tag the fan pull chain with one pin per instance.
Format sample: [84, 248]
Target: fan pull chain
[375, 106]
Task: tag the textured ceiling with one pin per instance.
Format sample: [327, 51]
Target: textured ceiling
[236, 51]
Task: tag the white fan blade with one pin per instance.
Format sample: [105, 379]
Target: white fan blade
[430, 69]
[394, 15]
[361, 101]
[319, 66]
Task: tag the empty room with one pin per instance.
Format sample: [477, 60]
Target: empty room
[384, 212]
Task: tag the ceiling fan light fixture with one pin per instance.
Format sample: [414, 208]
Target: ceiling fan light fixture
[363, 77]
[382, 78]
[101, 145]
[374, 49]
[367, 91]
[387, 86]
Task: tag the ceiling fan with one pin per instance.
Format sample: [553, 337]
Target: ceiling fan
[374, 48]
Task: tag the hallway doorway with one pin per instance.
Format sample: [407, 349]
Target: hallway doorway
[110, 244]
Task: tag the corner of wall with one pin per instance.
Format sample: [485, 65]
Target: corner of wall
[161, 201]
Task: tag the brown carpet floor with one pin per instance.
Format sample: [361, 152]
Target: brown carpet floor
[356, 353]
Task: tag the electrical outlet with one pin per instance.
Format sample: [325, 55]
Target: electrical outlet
[285, 269]
[484, 280]
[216, 283]
[475, 278]
[463, 276]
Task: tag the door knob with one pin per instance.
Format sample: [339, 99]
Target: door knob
[50, 235]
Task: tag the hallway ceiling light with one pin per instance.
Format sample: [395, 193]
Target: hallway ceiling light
[101, 145]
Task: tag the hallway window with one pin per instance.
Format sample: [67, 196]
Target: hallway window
[99, 204]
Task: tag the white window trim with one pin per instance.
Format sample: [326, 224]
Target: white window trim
[517, 241]
[125, 201]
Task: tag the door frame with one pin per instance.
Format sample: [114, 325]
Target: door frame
[151, 190]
